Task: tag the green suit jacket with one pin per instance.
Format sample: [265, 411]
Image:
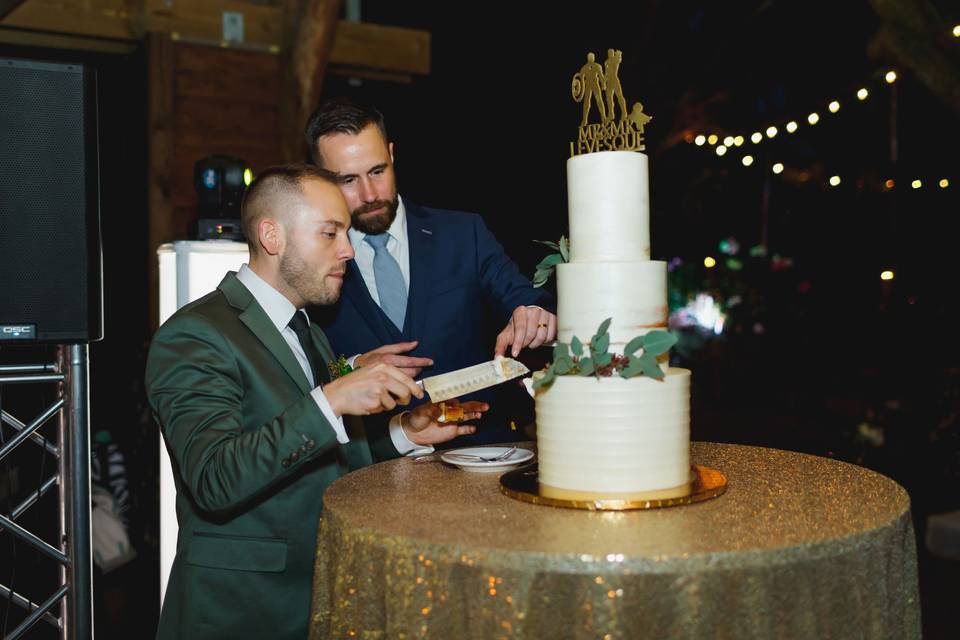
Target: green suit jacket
[252, 455]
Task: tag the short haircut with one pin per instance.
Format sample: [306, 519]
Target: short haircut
[276, 190]
[340, 115]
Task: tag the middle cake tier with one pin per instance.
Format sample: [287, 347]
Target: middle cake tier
[633, 294]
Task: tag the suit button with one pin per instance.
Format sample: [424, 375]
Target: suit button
[285, 462]
[295, 456]
[310, 444]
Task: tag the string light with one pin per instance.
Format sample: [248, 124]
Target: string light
[862, 94]
[791, 126]
[721, 150]
[813, 118]
[699, 140]
[709, 262]
[956, 31]
[756, 137]
[738, 141]
[712, 139]
[944, 183]
[778, 168]
[748, 160]
[834, 106]
[916, 184]
[771, 132]
[834, 181]
[890, 77]
[728, 141]
[887, 275]
[888, 184]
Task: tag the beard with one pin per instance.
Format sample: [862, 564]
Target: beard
[306, 281]
[375, 224]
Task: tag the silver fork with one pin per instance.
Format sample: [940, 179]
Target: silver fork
[430, 457]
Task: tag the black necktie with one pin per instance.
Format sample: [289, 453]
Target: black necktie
[301, 327]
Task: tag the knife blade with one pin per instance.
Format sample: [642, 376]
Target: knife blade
[469, 379]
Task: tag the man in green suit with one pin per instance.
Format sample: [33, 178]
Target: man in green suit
[255, 427]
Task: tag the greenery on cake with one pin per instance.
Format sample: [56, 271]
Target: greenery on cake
[546, 266]
[594, 359]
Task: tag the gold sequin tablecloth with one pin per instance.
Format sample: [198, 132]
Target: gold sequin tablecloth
[798, 547]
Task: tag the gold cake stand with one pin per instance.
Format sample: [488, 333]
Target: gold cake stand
[523, 484]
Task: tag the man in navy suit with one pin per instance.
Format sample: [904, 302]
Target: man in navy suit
[424, 280]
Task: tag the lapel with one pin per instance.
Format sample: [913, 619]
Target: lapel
[423, 246]
[255, 318]
[355, 289]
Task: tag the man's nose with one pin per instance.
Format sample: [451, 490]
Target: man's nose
[367, 191]
[346, 249]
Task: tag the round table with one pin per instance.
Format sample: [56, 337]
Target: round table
[798, 547]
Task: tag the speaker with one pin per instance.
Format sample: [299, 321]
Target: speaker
[51, 277]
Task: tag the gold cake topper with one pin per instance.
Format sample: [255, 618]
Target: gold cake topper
[600, 85]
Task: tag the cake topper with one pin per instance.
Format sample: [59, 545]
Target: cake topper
[598, 85]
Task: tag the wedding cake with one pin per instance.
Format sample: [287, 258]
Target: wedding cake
[612, 437]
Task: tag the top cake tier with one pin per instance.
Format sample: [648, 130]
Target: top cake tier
[609, 206]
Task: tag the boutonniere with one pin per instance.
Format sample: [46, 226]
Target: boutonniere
[339, 367]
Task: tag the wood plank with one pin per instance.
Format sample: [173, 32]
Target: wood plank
[7, 6]
[232, 84]
[69, 42]
[195, 57]
[204, 19]
[99, 18]
[381, 47]
[160, 137]
[210, 114]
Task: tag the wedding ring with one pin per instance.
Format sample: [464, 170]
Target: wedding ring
[542, 325]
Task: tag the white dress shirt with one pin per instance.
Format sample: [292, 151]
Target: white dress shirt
[280, 310]
[397, 246]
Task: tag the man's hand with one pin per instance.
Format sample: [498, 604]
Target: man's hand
[390, 354]
[421, 426]
[373, 389]
[528, 327]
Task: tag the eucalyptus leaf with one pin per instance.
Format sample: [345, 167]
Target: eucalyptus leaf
[632, 369]
[563, 365]
[561, 350]
[602, 359]
[657, 342]
[565, 248]
[650, 367]
[604, 326]
[633, 346]
[546, 379]
[586, 366]
[551, 260]
[600, 344]
[553, 245]
[576, 346]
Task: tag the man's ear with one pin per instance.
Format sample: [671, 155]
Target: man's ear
[390, 147]
[270, 236]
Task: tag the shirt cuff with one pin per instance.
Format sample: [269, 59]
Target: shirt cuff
[335, 421]
[352, 359]
[402, 442]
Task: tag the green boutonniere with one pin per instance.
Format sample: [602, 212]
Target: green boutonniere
[339, 367]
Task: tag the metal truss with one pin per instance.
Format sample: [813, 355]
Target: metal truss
[73, 593]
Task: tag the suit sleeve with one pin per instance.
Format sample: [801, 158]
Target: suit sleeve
[195, 389]
[504, 287]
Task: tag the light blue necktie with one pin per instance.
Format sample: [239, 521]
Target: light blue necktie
[391, 288]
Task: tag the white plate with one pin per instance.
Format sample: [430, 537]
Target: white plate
[517, 457]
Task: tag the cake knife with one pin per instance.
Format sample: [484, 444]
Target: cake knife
[463, 381]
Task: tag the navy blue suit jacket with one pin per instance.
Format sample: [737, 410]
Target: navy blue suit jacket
[460, 282]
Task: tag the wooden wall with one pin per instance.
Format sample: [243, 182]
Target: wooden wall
[203, 100]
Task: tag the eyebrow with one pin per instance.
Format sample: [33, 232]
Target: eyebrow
[336, 223]
[343, 177]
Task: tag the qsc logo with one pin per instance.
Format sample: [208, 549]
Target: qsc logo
[18, 332]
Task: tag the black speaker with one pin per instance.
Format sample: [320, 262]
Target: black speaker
[51, 277]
